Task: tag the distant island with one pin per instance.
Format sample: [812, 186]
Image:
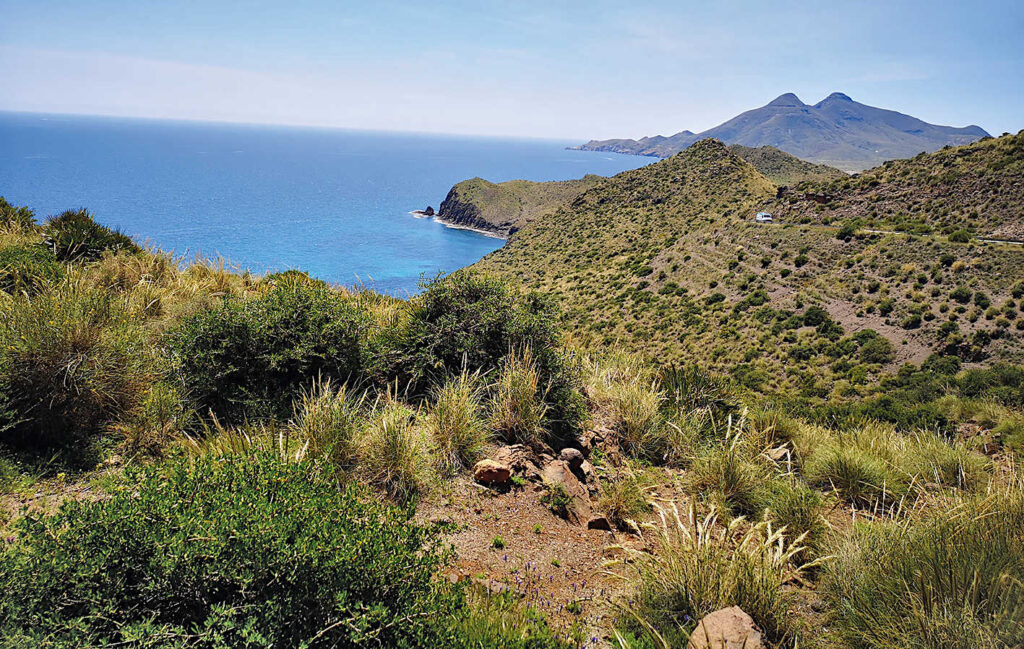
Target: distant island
[836, 131]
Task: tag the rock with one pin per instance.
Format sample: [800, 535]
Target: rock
[573, 457]
[520, 459]
[728, 628]
[599, 523]
[558, 475]
[491, 473]
[429, 211]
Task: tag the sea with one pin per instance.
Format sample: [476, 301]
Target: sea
[335, 203]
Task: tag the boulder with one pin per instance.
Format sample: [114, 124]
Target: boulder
[728, 628]
[573, 457]
[490, 472]
[520, 459]
[558, 474]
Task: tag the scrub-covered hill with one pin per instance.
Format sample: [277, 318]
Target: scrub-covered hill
[667, 260]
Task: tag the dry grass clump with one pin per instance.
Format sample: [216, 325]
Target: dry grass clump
[628, 397]
[455, 420]
[395, 452]
[330, 420]
[73, 358]
[517, 404]
[875, 466]
[701, 566]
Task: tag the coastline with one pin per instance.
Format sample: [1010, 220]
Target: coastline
[420, 214]
[458, 226]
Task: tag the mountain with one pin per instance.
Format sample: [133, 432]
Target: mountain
[836, 131]
[666, 260]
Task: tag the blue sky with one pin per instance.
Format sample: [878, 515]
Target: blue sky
[570, 70]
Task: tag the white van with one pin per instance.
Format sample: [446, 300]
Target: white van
[763, 217]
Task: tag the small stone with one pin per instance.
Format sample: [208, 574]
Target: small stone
[573, 457]
[728, 628]
[599, 523]
[491, 472]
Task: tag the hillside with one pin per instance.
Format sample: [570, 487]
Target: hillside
[194, 457]
[836, 131]
[503, 208]
[978, 188]
[665, 260]
[784, 169]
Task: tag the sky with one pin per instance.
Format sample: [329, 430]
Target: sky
[568, 70]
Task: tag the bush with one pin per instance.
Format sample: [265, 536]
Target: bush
[15, 218]
[877, 350]
[468, 322]
[265, 553]
[250, 357]
[74, 235]
[27, 268]
[945, 579]
[960, 236]
[961, 294]
[71, 360]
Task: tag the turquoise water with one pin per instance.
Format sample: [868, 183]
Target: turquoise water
[332, 202]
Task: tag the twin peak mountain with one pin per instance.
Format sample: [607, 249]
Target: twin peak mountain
[836, 131]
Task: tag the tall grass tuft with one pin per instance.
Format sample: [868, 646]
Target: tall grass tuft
[947, 578]
[331, 421]
[73, 358]
[875, 466]
[629, 401]
[701, 566]
[517, 405]
[455, 421]
[395, 453]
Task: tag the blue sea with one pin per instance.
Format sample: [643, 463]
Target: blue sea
[331, 202]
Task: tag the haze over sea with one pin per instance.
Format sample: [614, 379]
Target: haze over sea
[331, 202]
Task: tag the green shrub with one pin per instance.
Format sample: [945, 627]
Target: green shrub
[960, 236]
[877, 350]
[226, 552]
[15, 218]
[250, 357]
[950, 578]
[74, 235]
[469, 322]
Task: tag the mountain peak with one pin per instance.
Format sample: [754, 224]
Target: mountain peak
[788, 99]
[836, 96]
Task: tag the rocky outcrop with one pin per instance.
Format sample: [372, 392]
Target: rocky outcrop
[504, 208]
